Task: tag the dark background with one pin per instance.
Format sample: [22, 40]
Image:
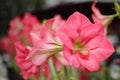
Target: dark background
[10, 9]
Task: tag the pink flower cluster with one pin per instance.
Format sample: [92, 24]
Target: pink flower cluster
[19, 31]
[45, 43]
[73, 42]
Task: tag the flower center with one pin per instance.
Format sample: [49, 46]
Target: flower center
[80, 49]
[78, 44]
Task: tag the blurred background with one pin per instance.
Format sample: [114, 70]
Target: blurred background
[45, 9]
[11, 8]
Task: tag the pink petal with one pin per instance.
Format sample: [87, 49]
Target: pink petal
[20, 48]
[25, 75]
[25, 65]
[65, 39]
[103, 51]
[89, 64]
[35, 54]
[58, 22]
[32, 70]
[61, 58]
[94, 42]
[96, 10]
[90, 32]
[40, 59]
[99, 18]
[77, 20]
[71, 57]
[34, 36]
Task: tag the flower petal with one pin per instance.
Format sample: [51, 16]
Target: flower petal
[96, 10]
[65, 39]
[89, 64]
[37, 54]
[70, 57]
[77, 20]
[104, 45]
[90, 32]
[61, 58]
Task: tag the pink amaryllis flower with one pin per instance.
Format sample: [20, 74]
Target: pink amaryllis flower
[19, 30]
[105, 20]
[30, 22]
[27, 67]
[46, 43]
[7, 41]
[84, 43]
[15, 28]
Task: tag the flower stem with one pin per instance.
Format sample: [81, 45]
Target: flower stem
[52, 68]
[66, 72]
[115, 15]
[42, 77]
[74, 73]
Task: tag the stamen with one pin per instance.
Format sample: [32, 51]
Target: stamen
[80, 49]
